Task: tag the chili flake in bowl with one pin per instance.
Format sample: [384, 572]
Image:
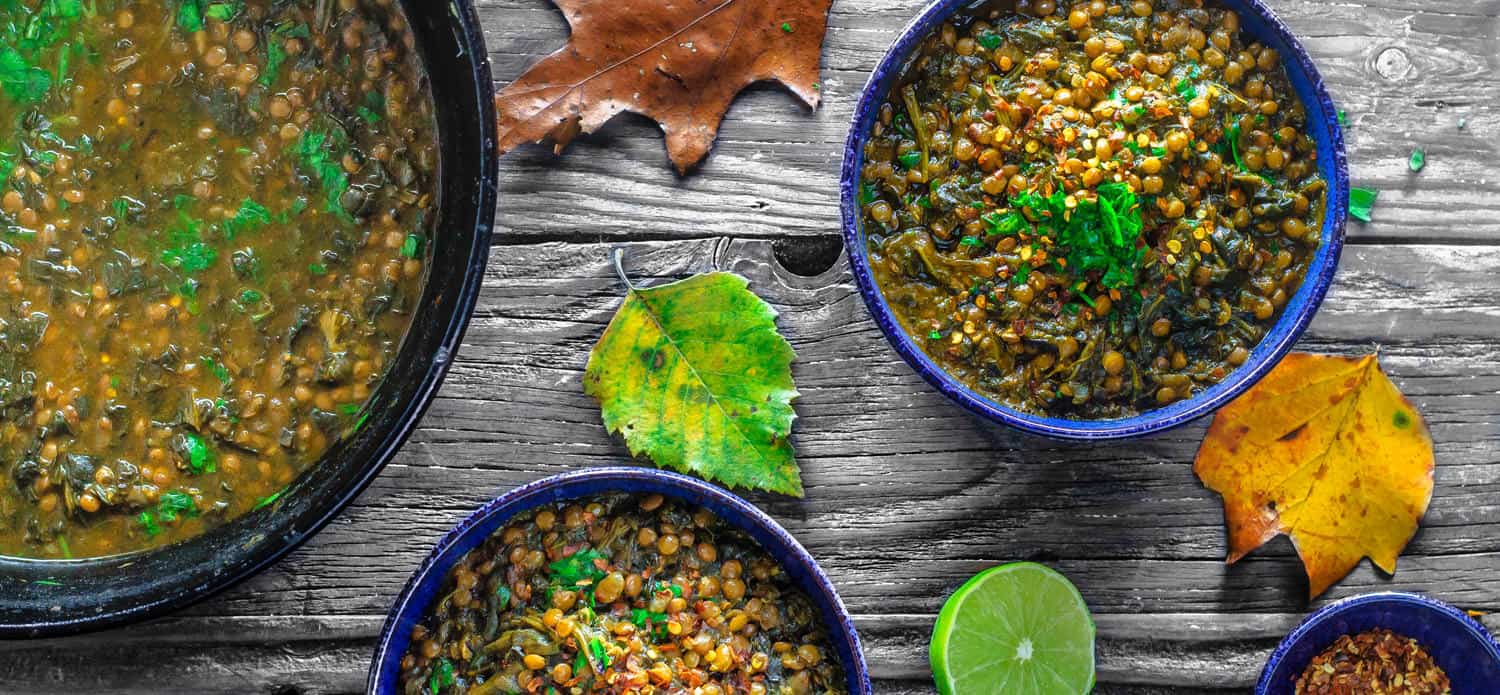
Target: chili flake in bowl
[619, 581]
[1096, 218]
[1378, 661]
[1362, 645]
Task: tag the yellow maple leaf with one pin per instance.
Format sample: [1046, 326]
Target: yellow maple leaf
[1326, 450]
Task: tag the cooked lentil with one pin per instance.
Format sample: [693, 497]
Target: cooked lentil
[214, 217]
[1091, 209]
[628, 594]
[1375, 661]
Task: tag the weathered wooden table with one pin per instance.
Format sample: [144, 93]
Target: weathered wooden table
[906, 494]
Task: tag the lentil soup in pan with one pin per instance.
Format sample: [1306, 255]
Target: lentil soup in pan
[213, 234]
[1091, 209]
[620, 593]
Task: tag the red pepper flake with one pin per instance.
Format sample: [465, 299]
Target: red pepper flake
[1377, 661]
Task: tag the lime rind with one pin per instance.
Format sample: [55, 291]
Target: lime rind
[1010, 610]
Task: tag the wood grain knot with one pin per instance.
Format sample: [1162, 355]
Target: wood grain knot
[808, 256]
[1393, 64]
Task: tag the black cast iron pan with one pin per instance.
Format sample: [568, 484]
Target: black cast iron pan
[50, 598]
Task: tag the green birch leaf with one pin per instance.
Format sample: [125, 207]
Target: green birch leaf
[694, 375]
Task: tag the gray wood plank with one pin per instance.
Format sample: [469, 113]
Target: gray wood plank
[1406, 72]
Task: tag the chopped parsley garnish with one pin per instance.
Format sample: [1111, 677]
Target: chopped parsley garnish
[1005, 225]
[910, 159]
[219, 371]
[188, 251]
[442, 676]
[200, 458]
[23, 47]
[1186, 90]
[1361, 201]
[172, 505]
[578, 568]
[1418, 160]
[867, 193]
[373, 107]
[1097, 235]
[786, 27]
[314, 152]
[411, 247]
[596, 650]
[270, 499]
[276, 53]
[990, 40]
[190, 16]
[1343, 118]
[250, 216]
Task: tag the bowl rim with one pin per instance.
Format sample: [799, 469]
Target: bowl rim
[1468, 625]
[565, 486]
[466, 28]
[1266, 354]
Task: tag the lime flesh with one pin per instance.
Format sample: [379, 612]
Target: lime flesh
[1017, 629]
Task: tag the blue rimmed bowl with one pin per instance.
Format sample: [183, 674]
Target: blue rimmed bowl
[804, 572]
[1257, 21]
[1456, 642]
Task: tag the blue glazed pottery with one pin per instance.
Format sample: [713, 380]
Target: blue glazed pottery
[422, 588]
[1257, 21]
[1456, 642]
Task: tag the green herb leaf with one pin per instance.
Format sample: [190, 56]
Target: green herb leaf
[190, 16]
[910, 159]
[147, 520]
[597, 650]
[314, 152]
[270, 499]
[442, 676]
[411, 247]
[1187, 90]
[21, 80]
[1343, 118]
[1361, 202]
[695, 376]
[786, 27]
[990, 40]
[578, 568]
[250, 216]
[224, 11]
[220, 372]
[200, 457]
[174, 504]
[1418, 160]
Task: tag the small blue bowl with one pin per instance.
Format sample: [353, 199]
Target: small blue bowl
[1257, 21]
[1456, 642]
[800, 567]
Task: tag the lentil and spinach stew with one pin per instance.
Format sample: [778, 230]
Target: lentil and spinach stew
[1091, 209]
[212, 236]
[625, 594]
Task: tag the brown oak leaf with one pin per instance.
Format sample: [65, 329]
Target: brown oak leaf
[680, 62]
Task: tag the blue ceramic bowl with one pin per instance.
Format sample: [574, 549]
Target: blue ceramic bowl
[1459, 645]
[1257, 21]
[799, 565]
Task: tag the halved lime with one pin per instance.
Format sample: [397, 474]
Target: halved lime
[1015, 629]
